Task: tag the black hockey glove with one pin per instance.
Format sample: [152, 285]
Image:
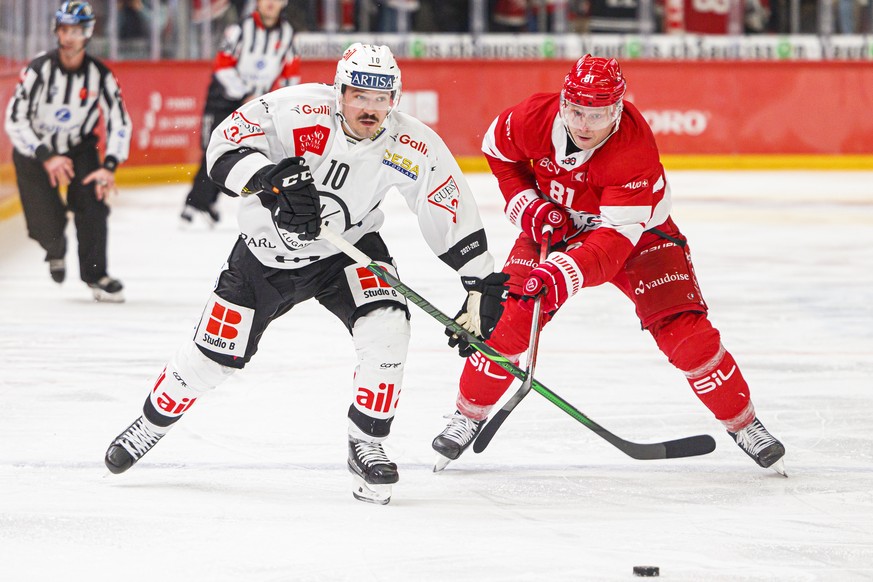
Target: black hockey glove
[299, 206]
[481, 310]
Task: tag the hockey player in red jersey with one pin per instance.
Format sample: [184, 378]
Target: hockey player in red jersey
[584, 162]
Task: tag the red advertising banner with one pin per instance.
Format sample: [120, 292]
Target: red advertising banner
[696, 108]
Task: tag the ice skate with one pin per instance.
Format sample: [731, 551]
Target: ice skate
[191, 214]
[107, 290]
[130, 446]
[58, 270]
[759, 444]
[455, 438]
[372, 472]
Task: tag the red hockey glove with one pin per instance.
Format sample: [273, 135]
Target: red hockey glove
[531, 213]
[556, 279]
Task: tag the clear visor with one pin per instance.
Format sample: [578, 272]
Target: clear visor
[367, 99]
[593, 118]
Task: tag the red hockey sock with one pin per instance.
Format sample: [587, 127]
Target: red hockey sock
[482, 384]
[720, 385]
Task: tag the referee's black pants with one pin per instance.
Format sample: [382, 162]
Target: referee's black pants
[204, 193]
[46, 213]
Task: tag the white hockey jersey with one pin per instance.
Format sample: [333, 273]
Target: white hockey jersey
[353, 178]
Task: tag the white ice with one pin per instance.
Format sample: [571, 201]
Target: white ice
[252, 484]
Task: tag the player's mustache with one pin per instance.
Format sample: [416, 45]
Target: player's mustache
[366, 117]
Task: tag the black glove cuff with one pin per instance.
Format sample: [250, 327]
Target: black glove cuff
[471, 283]
[261, 181]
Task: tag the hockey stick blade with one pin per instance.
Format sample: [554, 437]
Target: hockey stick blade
[490, 429]
[684, 447]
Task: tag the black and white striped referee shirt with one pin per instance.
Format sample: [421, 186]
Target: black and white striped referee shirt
[54, 110]
[254, 59]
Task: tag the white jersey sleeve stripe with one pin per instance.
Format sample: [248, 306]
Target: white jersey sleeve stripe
[489, 143]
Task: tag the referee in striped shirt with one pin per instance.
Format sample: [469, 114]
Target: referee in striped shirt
[51, 121]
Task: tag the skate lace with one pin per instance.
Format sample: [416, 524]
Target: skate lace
[460, 429]
[371, 453]
[754, 438]
[139, 438]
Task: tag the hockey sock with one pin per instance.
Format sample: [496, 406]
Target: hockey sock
[720, 385]
[482, 384]
[188, 375]
[381, 340]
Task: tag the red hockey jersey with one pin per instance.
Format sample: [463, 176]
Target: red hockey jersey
[613, 192]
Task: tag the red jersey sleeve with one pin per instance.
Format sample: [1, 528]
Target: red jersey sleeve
[513, 142]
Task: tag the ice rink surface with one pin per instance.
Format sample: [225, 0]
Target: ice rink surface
[252, 486]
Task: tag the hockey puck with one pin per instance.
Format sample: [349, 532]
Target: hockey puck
[647, 571]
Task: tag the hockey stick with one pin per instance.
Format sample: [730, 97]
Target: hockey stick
[490, 429]
[685, 447]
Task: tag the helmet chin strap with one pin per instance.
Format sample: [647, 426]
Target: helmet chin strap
[347, 129]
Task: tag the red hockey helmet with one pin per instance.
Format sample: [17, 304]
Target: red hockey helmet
[594, 82]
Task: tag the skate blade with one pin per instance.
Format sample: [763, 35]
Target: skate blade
[441, 463]
[370, 493]
[104, 297]
[779, 467]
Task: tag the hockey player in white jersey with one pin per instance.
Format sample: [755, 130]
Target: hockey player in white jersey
[318, 156]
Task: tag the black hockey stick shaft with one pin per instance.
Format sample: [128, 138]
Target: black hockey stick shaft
[685, 447]
[492, 426]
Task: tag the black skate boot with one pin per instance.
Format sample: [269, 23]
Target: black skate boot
[107, 290]
[372, 472]
[191, 214]
[58, 270]
[131, 445]
[762, 446]
[455, 438]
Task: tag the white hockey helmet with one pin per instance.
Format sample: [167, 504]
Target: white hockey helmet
[367, 66]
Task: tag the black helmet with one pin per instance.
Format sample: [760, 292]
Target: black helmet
[76, 13]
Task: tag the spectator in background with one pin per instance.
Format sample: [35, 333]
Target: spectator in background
[392, 11]
[256, 56]
[611, 16]
[131, 21]
[846, 12]
[509, 15]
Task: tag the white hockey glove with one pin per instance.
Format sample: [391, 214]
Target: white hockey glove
[481, 310]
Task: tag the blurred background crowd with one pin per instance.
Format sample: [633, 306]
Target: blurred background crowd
[191, 29]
